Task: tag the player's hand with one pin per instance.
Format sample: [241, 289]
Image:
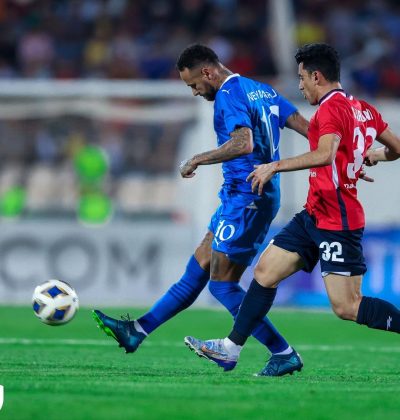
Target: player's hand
[187, 168]
[364, 176]
[370, 159]
[260, 176]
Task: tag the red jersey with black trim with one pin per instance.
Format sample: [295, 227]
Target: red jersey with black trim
[332, 195]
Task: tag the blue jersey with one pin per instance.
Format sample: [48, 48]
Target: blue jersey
[242, 102]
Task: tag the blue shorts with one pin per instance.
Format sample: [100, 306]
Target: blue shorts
[339, 252]
[240, 225]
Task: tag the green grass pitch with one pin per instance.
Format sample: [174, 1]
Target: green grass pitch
[77, 372]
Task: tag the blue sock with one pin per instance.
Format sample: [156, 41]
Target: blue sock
[230, 294]
[379, 314]
[177, 298]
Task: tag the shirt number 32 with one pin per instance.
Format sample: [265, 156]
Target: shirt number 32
[331, 251]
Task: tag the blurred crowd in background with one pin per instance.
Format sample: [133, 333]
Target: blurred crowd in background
[125, 39]
[51, 166]
[141, 39]
[139, 149]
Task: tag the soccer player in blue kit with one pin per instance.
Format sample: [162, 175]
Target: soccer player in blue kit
[248, 116]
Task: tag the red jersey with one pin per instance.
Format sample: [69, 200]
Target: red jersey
[332, 196]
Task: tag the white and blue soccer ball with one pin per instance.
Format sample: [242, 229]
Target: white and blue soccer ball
[55, 302]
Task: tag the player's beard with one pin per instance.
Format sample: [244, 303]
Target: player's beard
[210, 94]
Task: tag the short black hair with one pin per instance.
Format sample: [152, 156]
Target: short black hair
[194, 55]
[321, 57]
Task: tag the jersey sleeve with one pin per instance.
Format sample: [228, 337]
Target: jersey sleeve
[235, 109]
[329, 121]
[381, 124]
[286, 109]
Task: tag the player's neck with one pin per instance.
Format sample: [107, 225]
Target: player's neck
[223, 74]
[326, 89]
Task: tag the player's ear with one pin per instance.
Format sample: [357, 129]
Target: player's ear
[206, 72]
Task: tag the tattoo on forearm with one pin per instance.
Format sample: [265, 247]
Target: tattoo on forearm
[295, 116]
[238, 145]
[298, 123]
[239, 141]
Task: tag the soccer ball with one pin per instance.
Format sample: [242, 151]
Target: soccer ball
[55, 302]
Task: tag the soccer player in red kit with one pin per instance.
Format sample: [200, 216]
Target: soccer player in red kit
[331, 227]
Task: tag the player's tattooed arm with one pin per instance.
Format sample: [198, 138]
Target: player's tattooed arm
[241, 143]
[298, 123]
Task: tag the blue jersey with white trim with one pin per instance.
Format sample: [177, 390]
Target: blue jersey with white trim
[242, 102]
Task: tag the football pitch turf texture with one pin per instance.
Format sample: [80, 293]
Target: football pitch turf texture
[77, 372]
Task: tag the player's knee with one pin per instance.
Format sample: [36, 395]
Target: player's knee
[344, 311]
[340, 312]
[259, 272]
[264, 276]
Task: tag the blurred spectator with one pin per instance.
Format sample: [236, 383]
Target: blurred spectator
[35, 53]
[243, 60]
[97, 50]
[309, 30]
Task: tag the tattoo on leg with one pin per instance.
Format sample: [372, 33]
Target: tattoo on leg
[215, 264]
[207, 240]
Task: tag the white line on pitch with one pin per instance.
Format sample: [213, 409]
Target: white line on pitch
[165, 343]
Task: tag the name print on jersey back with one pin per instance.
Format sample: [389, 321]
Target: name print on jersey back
[362, 115]
[260, 94]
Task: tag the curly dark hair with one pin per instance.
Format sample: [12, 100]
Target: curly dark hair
[321, 57]
[194, 55]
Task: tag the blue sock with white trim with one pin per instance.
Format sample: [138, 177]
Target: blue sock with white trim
[177, 298]
[231, 295]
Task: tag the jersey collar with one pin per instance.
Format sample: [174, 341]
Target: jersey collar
[228, 78]
[330, 94]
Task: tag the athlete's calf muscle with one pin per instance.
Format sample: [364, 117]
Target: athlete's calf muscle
[344, 293]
